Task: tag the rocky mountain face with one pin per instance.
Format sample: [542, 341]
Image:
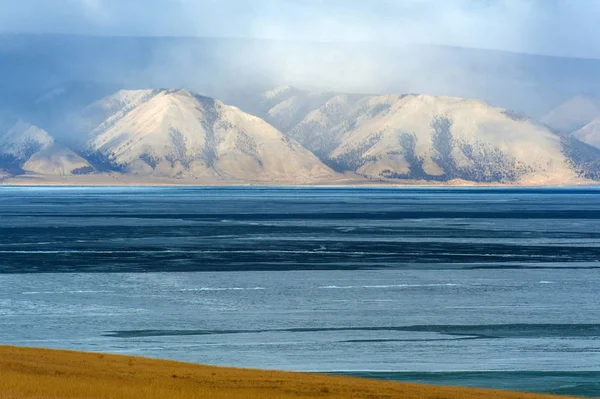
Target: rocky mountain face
[27, 148]
[419, 137]
[175, 133]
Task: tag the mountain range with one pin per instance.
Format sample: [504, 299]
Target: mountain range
[90, 110]
[292, 136]
[421, 137]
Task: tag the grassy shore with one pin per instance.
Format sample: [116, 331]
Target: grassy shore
[48, 374]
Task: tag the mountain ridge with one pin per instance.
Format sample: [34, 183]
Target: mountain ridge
[176, 133]
[572, 114]
[294, 136]
[398, 136]
[27, 148]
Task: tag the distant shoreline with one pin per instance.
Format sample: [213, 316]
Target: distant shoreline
[118, 180]
[33, 373]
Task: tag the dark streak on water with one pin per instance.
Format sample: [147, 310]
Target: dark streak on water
[224, 229]
[479, 331]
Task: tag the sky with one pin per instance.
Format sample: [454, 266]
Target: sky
[554, 27]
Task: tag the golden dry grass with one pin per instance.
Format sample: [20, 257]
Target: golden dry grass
[27, 373]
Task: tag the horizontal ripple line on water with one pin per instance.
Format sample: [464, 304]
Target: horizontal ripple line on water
[66, 292]
[588, 214]
[344, 287]
[183, 251]
[223, 289]
[480, 331]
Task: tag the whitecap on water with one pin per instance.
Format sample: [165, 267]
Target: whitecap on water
[387, 286]
[223, 289]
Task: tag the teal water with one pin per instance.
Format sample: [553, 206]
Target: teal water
[552, 382]
[487, 287]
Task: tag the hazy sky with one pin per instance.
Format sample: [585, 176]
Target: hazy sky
[561, 27]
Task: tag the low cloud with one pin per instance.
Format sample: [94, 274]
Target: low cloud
[376, 46]
[559, 27]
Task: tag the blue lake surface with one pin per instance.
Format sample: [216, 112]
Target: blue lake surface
[482, 287]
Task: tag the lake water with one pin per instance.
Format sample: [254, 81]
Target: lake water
[481, 287]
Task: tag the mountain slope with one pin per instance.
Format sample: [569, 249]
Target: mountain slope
[431, 138]
[114, 106]
[590, 133]
[573, 114]
[175, 133]
[27, 148]
[283, 107]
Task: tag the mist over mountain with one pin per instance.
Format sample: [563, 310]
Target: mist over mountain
[590, 133]
[35, 65]
[300, 112]
[573, 114]
[25, 148]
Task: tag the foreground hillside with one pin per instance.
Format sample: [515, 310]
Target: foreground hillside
[39, 373]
